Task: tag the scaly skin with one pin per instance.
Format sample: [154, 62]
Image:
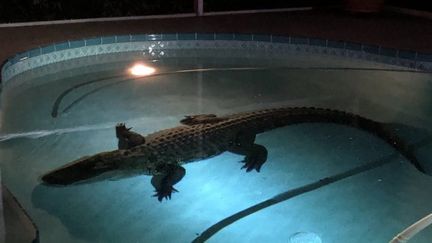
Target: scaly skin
[163, 153]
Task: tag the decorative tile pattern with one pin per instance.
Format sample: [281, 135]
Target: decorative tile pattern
[226, 44]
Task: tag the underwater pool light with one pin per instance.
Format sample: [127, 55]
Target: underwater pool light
[139, 69]
[304, 237]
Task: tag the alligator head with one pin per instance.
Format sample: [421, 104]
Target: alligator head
[84, 169]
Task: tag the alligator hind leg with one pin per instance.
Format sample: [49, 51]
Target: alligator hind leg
[168, 175]
[126, 138]
[255, 154]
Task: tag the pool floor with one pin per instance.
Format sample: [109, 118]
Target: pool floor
[372, 206]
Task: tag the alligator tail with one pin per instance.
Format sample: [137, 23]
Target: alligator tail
[286, 116]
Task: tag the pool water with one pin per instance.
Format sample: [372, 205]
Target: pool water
[55, 116]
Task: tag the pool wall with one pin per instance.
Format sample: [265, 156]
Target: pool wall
[156, 45]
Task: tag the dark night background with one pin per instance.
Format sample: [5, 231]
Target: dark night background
[40, 10]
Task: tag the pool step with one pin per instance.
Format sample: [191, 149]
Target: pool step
[15, 224]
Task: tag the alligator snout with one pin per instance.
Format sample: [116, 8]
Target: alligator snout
[77, 171]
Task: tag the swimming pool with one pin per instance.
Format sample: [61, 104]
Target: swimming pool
[62, 102]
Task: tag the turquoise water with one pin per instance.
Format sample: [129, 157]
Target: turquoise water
[37, 135]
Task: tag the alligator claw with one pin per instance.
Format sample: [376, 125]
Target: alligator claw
[164, 193]
[122, 125]
[250, 166]
[255, 155]
[255, 160]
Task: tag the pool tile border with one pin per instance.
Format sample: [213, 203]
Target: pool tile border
[155, 44]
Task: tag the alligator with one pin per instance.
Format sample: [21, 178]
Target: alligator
[162, 154]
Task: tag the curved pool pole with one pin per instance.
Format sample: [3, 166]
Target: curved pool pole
[212, 230]
[412, 230]
[55, 113]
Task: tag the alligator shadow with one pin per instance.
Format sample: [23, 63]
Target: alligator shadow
[72, 207]
[95, 212]
[418, 140]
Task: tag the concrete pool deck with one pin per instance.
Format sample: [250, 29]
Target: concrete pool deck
[386, 29]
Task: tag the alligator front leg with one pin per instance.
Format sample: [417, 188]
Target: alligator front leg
[126, 138]
[255, 154]
[168, 175]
